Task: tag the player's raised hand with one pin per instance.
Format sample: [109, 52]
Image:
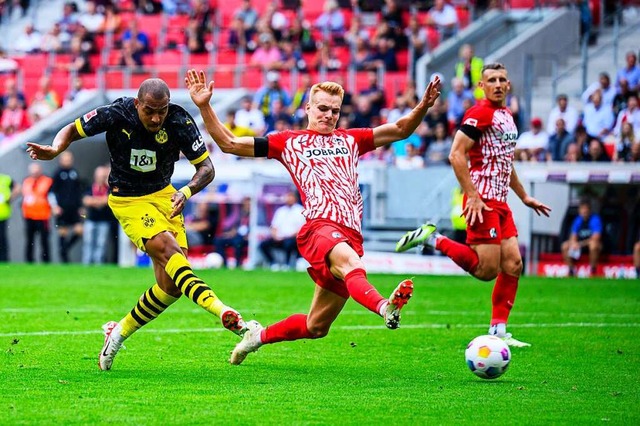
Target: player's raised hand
[199, 90]
[432, 92]
[537, 206]
[41, 152]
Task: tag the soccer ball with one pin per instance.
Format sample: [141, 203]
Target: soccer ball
[488, 356]
[213, 261]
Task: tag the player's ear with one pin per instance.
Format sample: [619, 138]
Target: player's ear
[136, 102]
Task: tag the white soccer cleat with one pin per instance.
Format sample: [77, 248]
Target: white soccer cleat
[416, 237]
[250, 343]
[232, 321]
[112, 344]
[510, 341]
[397, 300]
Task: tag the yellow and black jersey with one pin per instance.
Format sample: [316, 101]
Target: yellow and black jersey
[142, 162]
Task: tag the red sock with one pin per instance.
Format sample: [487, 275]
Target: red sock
[362, 291]
[503, 297]
[461, 254]
[291, 328]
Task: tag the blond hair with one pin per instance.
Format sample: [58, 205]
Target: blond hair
[330, 87]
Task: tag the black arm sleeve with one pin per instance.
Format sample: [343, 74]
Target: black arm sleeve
[260, 147]
[473, 132]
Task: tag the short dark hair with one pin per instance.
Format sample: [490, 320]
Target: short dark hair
[562, 96]
[155, 87]
[584, 201]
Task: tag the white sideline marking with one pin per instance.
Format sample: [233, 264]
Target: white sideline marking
[343, 327]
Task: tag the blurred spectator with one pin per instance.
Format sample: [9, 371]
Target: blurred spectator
[267, 55]
[36, 212]
[291, 57]
[243, 27]
[148, 7]
[326, 59]
[273, 21]
[356, 30]
[435, 115]
[559, 141]
[393, 15]
[401, 108]
[624, 143]
[630, 72]
[513, 103]
[98, 218]
[299, 33]
[112, 19]
[573, 154]
[29, 41]
[596, 152]
[411, 158]
[417, 37]
[52, 41]
[361, 54]
[597, 117]
[455, 101]
[272, 91]
[444, 17]
[178, 7]
[79, 59]
[77, 86]
[91, 18]
[235, 233]
[562, 110]
[286, 223]
[194, 38]
[231, 124]
[382, 55]
[68, 23]
[374, 92]
[631, 114]
[363, 114]
[9, 191]
[621, 98]
[301, 97]
[139, 40]
[199, 225]
[347, 99]
[469, 69]
[533, 145]
[250, 116]
[200, 24]
[11, 89]
[331, 20]
[603, 85]
[585, 238]
[14, 117]
[67, 190]
[586, 19]
[278, 112]
[129, 56]
[45, 101]
[439, 146]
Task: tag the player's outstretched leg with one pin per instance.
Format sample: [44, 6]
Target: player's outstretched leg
[112, 344]
[179, 269]
[397, 300]
[250, 343]
[416, 237]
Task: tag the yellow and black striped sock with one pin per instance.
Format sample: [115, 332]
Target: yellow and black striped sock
[191, 286]
[151, 304]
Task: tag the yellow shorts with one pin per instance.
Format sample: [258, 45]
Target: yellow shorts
[142, 218]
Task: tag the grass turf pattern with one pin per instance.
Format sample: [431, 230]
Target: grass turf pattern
[582, 368]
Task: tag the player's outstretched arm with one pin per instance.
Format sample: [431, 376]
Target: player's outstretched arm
[406, 125]
[201, 93]
[527, 200]
[61, 141]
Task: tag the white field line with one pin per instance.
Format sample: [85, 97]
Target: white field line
[344, 327]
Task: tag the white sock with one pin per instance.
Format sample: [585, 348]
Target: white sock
[499, 329]
[383, 308]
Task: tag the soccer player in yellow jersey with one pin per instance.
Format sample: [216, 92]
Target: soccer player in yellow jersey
[145, 136]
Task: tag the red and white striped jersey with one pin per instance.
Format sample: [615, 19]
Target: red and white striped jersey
[324, 168]
[491, 157]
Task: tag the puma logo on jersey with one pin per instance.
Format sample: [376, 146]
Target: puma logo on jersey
[197, 144]
[127, 133]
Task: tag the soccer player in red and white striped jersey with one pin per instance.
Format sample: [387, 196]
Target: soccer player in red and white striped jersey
[487, 137]
[322, 161]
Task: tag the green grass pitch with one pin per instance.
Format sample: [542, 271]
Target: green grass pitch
[583, 366]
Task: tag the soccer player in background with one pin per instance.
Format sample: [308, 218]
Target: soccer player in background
[482, 158]
[145, 136]
[322, 161]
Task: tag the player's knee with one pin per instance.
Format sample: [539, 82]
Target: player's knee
[513, 267]
[318, 331]
[486, 273]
